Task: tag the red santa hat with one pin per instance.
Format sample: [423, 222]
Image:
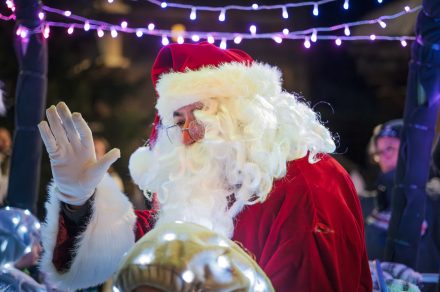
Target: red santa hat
[186, 73]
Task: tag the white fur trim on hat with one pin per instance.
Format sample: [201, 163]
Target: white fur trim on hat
[229, 80]
[100, 248]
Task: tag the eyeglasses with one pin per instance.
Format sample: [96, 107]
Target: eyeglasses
[384, 152]
[195, 129]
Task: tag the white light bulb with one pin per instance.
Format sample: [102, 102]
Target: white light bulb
[314, 36]
[403, 43]
[338, 42]
[67, 13]
[347, 31]
[285, 13]
[163, 4]
[151, 26]
[407, 8]
[278, 39]
[23, 33]
[70, 30]
[255, 6]
[379, 1]
[346, 5]
[139, 33]
[86, 26]
[237, 39]
[307, 43]
[41, 15]
[10, 4]
[222, 15]
[100, 32]
[253, 29]
[315, 10]
[113, 33]
[110, 1]
[193, 14]
[195, 38]
[372, 37]
[46, 31]
[165, 41]
[223, 44]
[124, 24]
[180, 40]
[382, 23]
[210, 39]
[285, 31]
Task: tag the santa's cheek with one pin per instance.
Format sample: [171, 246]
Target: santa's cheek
[197, 131]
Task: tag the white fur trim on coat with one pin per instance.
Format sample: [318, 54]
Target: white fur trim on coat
[100, 248]
[233, 80]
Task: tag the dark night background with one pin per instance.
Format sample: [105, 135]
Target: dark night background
[355, 86]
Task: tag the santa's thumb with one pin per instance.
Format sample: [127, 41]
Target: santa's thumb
[103, 164]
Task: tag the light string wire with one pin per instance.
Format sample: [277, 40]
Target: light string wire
[7, 17]
[239, 7]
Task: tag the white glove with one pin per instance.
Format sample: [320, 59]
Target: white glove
[69, 143]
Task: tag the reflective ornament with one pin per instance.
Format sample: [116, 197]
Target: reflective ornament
[188, 257]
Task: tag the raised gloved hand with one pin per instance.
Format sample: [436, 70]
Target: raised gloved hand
[69, 143]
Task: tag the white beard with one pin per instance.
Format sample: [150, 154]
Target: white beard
[190, 181]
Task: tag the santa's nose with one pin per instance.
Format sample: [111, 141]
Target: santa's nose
[186, 137]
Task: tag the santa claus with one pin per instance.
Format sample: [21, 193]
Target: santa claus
[230, 150]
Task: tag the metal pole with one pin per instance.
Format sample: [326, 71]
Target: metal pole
[31, 51]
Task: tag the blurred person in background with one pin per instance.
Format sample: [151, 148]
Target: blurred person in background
[384, 149]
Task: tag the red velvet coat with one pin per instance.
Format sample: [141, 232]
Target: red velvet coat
[308, 235]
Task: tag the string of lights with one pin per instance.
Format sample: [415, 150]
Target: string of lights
[309, 35]
[255, 7]
[346, 26]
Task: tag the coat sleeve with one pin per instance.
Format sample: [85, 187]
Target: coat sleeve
[75, 261]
